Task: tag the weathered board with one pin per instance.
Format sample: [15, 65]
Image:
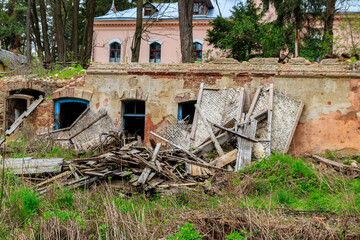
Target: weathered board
[31, 166]
[244, 145]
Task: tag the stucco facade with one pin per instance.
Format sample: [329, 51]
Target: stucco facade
[120, 27]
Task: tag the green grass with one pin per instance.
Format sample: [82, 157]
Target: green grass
[248, 205]
[285, 181]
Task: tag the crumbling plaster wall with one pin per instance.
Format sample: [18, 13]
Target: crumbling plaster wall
[330, 91]
[42, 119]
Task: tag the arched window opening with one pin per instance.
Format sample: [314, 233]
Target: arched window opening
[187, 111]
[17, 102]
[115, 51]
[155, 52]
[134, 117]
[68, 110]
[197, 52]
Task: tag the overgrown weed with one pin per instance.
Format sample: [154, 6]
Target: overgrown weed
[276, 198]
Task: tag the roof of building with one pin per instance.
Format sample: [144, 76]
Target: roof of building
[10, 59]
[348, 6]
[169, 11]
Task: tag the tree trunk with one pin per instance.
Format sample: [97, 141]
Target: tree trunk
[186, 9]
[36, 28]
[59, 28]
[329, 24]
[44, 28]
[136, 42]
[28, 32]
[88, 33]
[75, 31]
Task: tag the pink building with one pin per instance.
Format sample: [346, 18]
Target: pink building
[113, 32]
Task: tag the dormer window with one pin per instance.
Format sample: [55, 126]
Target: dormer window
[201, 7]
[149, 9]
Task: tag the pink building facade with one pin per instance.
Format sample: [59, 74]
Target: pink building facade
[113, 32]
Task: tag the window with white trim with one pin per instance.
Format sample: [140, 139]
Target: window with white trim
[115, 51]
[197, 52]
[155, 52]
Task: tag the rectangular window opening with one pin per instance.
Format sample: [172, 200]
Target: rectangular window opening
[134, 118]
[187, 111]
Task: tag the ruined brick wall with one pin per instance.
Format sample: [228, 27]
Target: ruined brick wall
[42, 119]
[330, 91]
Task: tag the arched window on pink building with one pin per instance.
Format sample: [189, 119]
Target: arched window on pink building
[115, 51]
[198, 44]
[155, 52]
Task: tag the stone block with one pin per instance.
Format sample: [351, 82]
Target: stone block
[299, 61]
[87, 95]
[264, 61]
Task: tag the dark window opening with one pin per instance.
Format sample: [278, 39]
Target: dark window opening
[149, 9]
[67, 111]
[134, 117]
[115, 51]
[155, 52]
[17, 102]
[14, 108]
[199, 8]
[197, 52]
[187, 111]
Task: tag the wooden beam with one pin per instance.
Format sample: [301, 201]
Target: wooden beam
[194, 125]
[236, 133]
[241, 108]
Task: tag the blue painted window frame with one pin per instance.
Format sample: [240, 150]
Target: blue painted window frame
[131, 115]
[180, 116]
[66, 100]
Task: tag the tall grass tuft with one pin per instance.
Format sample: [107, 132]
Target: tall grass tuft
[24, 204]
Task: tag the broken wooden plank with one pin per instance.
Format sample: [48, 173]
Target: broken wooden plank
[270, 113]
[333, 163]
[211, 133]
[179, 147]
[204, 165]
[236, 133]
[30, 166]
[245, 146]
[194, 125]
[145, 174]
[253, 103]
[50, 180]
[179, 185]
[225, 160]
[241, 108]
[74, 172]
[20, 119]
[209, 145]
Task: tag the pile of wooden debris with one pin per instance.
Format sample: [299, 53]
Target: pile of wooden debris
[179, 156]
